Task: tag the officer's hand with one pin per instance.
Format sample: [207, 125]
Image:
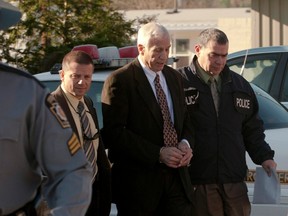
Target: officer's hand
[171, 156]
[268, 165]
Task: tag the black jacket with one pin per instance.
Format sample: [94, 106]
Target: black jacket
[221, 142]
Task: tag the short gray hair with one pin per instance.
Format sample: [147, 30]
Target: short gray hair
[212, 34]
[149, 31]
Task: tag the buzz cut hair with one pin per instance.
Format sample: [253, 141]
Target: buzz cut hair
[77, 56]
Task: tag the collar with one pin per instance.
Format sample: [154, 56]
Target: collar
[149, 73]
[205, 76]
[73, 101]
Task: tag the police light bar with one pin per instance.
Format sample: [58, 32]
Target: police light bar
[128, 52]
[110, 52]
[104, 57]
[91, 49]
[109, 57]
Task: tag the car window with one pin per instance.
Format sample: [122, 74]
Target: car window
[94, 93]
[259, 69]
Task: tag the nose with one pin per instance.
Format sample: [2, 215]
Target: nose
[80, 81]
[164, 55]
[221, 60]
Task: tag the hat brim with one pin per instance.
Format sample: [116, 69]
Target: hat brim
[9, 15]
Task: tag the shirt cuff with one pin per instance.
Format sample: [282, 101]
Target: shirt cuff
[186, 141]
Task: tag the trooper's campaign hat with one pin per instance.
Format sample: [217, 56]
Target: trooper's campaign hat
[9, 15]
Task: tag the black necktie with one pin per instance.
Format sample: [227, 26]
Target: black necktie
[169, 132]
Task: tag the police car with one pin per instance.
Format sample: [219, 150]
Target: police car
[275, 118]
[274, 115]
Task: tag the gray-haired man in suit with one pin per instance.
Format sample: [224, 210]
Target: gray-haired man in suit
[149, 174]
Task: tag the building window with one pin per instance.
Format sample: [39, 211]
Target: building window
[182, 46]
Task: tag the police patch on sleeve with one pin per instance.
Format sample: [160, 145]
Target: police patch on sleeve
[191, 95]
[73, 144]
[57, 111]
[243, 103]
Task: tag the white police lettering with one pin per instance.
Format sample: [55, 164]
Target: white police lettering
[190, 100]
[243, 103]
[191, 95]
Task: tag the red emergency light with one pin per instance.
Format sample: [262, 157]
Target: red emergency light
[91, 49]
[106, 57]
[128, 52]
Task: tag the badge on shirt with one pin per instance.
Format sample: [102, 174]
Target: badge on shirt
[57, 111]
[243, 103]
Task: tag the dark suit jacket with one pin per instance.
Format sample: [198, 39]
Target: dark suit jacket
[133, 130]
[101, 198]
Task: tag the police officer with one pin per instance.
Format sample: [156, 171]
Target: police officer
[36, 140]
[224, 111]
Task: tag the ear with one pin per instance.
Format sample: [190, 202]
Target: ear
[61, 74]
[197, 49]
[141, 49]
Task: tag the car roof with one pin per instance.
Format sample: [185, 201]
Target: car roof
[259, 50]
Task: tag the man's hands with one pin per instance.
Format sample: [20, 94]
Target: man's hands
[176, 157]
[268, 165]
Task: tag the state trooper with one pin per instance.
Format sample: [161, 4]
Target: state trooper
[226, 122]
[36, 140]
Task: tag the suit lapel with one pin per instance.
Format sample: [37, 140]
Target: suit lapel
[146, 92]
[59, 96]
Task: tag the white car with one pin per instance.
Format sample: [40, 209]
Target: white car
[275, 119]
[274, 115]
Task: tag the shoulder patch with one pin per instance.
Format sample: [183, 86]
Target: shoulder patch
[73, 144]
[191, 95]
[243, 103]
[57, 111]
